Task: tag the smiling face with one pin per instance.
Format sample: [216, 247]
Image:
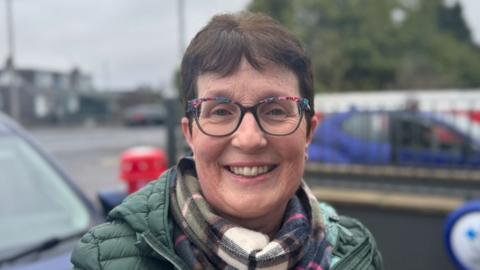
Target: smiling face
[249, 176]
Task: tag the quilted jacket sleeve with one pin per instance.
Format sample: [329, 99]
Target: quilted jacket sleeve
[110, 246]
[86, 253]
[356, 248]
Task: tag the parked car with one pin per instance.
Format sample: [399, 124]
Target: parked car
[396, 137]
[42, 213]
[145, 114]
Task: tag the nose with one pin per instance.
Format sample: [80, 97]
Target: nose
[249, 137]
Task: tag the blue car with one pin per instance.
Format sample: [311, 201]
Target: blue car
[396, 138]
[42, 213]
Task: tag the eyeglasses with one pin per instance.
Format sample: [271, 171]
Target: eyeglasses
[220, 116]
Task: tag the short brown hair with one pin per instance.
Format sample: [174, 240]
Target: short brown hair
[220, 46]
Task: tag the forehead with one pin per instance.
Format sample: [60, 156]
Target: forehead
[248, 84]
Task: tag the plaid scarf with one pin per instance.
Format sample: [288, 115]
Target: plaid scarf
[205, 240]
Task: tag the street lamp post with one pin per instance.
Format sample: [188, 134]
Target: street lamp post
[172, 100]
[14, 98]
[181, 26]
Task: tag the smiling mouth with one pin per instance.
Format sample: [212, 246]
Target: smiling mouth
[250, 171]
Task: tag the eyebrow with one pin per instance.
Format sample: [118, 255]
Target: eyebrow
[231, 94]
[219, 93]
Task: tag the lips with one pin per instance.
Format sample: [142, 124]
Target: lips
[250, 171]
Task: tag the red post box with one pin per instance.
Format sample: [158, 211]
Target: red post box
[140, 165]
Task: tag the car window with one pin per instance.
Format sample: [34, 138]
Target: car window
[35, 202]
[445, 140]
[429, 135]
[414, 134]
[367, 126]
[462, 123]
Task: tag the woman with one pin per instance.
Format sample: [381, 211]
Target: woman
[239, 201]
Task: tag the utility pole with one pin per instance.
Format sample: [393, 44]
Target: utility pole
[181, 27]
[172, 101]
[14, 97]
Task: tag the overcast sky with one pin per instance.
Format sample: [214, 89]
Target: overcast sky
[121, 43]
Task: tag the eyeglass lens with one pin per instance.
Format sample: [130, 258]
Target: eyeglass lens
[277, 117]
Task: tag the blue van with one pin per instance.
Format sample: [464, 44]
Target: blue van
[396, 138]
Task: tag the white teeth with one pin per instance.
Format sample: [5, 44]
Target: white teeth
[249, 171]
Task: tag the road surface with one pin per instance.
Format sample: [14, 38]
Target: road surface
[92, 155]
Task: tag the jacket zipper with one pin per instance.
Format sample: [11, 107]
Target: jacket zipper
[164, 253]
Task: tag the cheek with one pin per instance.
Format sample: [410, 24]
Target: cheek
[294, 148]
[295, 159]
[207, 152]
[293, 154]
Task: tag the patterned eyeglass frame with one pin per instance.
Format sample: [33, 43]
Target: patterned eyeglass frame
[194, 105]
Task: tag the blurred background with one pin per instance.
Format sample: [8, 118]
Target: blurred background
[397, 90]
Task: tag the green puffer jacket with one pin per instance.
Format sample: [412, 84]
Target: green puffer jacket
[138, 235]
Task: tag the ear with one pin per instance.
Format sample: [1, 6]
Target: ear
[186, 131]
[313, 126]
